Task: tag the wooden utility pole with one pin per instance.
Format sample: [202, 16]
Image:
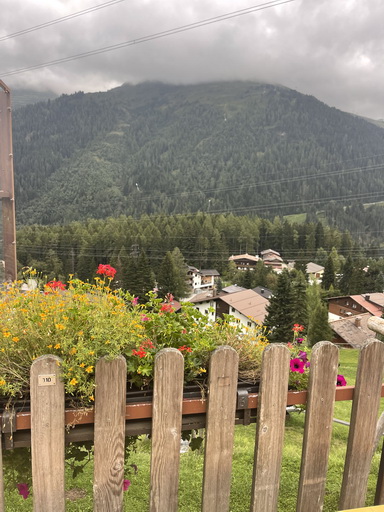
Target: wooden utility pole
[7, 193]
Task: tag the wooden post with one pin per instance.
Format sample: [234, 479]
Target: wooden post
[318, 427]
[6, 184]
[222, 394]
[379, 495]
[47, 435]
[2, 502]
[362, 431]
[166, 430]
[110, 399]
[270, 426]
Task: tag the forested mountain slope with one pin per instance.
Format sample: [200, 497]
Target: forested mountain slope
[155, 148]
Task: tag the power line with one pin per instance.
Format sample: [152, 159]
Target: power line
[151, 37]
[59, 20]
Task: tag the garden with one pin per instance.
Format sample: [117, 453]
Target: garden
[81, 322]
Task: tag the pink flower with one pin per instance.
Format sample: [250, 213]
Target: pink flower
[303, 356]
[341, 381]
[23, 490]
[299, 340]
[135, 301]
[297, 365]
[144, 318]
[126, 484]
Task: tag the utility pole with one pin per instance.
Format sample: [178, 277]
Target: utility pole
[7, 193]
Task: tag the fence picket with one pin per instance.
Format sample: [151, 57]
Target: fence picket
[318, 427]
[47, 435]
[270, 428]
[166, 430]
[2, 502]
[379, 495]
[364, 414]
[110, 398]
[223, 370]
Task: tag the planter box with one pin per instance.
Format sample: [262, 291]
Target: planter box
[138, 414]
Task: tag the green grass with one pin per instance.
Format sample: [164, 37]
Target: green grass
[191, 467]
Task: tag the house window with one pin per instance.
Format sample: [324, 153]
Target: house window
[347, 302]
[233, 310]
[354, 306]
[249, 324]
[206, 311]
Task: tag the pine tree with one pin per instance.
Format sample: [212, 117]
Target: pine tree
[168, 277]
[318, 328]
[300, 303]
[346, 278]
[280, 318]
[329, 275]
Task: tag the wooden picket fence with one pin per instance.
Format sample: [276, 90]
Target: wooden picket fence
[48, 431]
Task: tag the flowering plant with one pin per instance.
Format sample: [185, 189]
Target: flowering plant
[81, 322]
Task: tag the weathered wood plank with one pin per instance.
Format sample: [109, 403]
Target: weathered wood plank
[379, 495]
[318, 427]
[110, 396]
[270, 428]
[166, 430]
[47, 435]
[2, 502]
[222, 394]
[364, 414]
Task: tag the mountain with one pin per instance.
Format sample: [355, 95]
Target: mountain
[156, 148]
[23, 97]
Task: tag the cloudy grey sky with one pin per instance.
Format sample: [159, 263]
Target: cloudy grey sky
[332, 49]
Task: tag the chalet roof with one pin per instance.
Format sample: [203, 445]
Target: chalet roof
[264, 292]
[352, 333]
[210, 272]
[204, 296]
[376, 298]
[374, 309]
[247, 302]
[244, 257]
[269, 251]
[313, 268]
[233, 288]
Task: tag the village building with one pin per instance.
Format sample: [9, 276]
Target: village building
[272, 259]
[353, 331]
[357, 304]
[201, 280]
[246, 306]
[314, 272]
[244, 261]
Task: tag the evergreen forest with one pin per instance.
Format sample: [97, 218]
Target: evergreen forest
[241, 147]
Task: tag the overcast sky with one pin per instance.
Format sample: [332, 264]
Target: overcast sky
[332, 49]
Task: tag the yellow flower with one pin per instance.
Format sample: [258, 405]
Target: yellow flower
[49, 346]
[202, 370]
[91, 353]
[15, 339]
[80, 333]
[82, 365]
[89, 369]
[6, 334]
[73, 382]
[65, 318]
[2, 382]
[92, 398]
[60, 327]
[73, 351]
[57, 346]
[107, 342]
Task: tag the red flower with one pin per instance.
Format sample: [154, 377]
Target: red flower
[106, 270]
[141, 352]
[341, 381]
[297, 328]
[168, 308]
[126, 484]
[56, 285]
[297, 365]
[184, 348]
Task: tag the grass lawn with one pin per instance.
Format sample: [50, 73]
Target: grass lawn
[191, 470]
